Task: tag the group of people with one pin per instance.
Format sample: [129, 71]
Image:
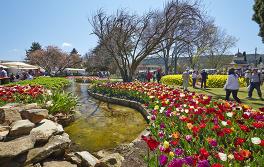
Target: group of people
[253, 78]
[23, 75]
[254, 81]
[195, 76]
[156, 75]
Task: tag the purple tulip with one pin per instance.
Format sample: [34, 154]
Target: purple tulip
[153, 117]
[176, 162]
[178, 151]
[189, 160]
[163, 159]
[213, 143]
[162, 126]
[168, 113]
[203, 163]
[215, 120]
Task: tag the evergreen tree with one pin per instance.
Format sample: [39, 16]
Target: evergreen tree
[260, 60]
[34, 47]
[74, 51]
[258, 16]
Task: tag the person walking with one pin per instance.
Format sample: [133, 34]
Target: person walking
[194, 78]
[232, 85]
[149, 76]
[185, 80]
[204, 76]
[159, 75]
[247, 77]
[255, 82]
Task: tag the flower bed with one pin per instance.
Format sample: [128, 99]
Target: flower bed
[53, 83]
[213, 81]
[193, 130]
[45, 91]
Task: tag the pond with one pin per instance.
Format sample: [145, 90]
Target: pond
[102, 125]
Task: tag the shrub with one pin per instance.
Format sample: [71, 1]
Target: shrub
[61, 102]
[53, 83]
[213, 81]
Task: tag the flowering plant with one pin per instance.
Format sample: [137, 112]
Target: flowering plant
[194, 130]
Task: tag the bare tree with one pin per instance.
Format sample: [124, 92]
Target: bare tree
[220, 45]
[184, 12]
[130, 38]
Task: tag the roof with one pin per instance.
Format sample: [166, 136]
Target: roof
[19, 65]
[75, 69]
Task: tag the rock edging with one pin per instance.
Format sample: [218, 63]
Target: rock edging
[123, 102]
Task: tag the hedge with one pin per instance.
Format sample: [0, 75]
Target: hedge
[213, 81]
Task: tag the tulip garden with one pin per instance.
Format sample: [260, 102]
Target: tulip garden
[45, 91]
[189, 129]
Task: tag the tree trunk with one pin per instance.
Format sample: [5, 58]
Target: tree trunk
[166, 64]
[175, 64]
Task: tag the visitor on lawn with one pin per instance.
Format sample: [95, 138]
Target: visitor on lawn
[256, 81]
[3, 73]
[185, 80]
[159, 75]
[149, 76]
[247, 77]
[232, 85]
[204, 76]
[194, 78]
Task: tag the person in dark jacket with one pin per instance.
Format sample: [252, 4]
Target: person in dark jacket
[159, 75]
[255, 82]
[204, 77]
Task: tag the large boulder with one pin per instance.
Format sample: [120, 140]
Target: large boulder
[15, 147]
[56, 143]
[73, 158]
[21, 127]
[35, 115]
[31, 106]
[4, 130]
[9, 114]
[45, 130]
[58, 164]
[87, 158]
[111, 160]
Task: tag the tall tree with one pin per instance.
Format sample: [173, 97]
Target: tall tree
[52, 59]
[75, 58]
[130, 38]
[258, 16]
[34, 46]
[74, 51]
[184, 12]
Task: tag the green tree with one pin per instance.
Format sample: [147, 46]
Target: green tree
[258, 16]
[74, 51]
[34, 47]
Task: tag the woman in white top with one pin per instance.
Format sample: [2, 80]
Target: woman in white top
[232, 85]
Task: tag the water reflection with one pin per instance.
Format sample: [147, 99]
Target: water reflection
[102, 125]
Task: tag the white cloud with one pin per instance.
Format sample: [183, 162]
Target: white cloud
[65, 44]
[13, 50]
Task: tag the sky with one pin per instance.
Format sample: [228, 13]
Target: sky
[64, 23]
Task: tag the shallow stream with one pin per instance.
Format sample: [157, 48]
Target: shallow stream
[102, 125]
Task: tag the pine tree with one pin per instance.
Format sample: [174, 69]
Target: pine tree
[34, 46]
[260, 60]
[245, 56]
[74, 51]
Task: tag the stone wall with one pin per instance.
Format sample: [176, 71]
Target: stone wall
[123, 102]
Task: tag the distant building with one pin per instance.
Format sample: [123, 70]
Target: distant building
[239, 61]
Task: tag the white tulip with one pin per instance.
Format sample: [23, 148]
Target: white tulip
[255, 140]
[222, 156]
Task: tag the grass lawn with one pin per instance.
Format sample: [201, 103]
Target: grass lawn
[219, 93]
